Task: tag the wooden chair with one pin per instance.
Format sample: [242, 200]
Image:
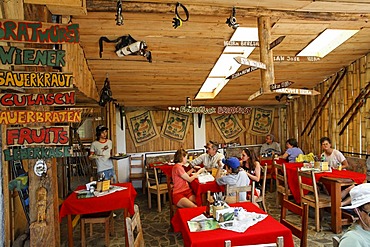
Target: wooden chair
[336, 241]
[313, 198]
[103, 218]
[137, 170]
[134, 228]
[281, 182]
[262, 198]
[270, 168]
[173, 207]
[154, 187]
[236, 191]
[279, 243]
[302, 211]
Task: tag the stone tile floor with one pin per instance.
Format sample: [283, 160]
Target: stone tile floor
[157, 231]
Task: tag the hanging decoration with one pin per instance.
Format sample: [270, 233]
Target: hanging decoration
[119, 17]
[229, 126]
[177, 20]
[176, 126]
[105, 93]
[261, 121]
[127, 45]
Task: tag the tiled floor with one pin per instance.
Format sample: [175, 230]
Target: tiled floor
[157, 231]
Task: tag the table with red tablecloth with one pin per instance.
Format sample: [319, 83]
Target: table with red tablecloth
[123, 199]
[292, 177]
[334, 180]
[265, 231]
[200, 189]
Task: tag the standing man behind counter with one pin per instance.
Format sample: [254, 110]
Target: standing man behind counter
[270, 147]
[209, 159]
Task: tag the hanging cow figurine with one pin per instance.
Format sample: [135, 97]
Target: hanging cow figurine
[127, 45]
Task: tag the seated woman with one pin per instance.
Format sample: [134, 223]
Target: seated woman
[292, 150]
[183, 196]
[252, 166]
[234, 177]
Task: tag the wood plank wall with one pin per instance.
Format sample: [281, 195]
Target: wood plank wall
[356, 137]
[163, 144]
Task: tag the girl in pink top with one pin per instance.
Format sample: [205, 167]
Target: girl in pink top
[183, 196]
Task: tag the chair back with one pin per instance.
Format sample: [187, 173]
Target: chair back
[307, 181]
[233, 193]
[336, 241]
[281, 179]
[302, 211]
[133, 226]
[279, 243]
[137, 169]
[152, 178]
[173, 207]
[262, 196]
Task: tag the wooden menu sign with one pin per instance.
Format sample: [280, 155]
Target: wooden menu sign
[25, 117]
[37, 153]
[53, 135]
[38, 32]
[46, 99]
[32, 57]
[36, 79]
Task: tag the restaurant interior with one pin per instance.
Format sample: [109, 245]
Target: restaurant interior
[159, 76]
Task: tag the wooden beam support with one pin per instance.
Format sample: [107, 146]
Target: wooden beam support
[264, 33]
[197, 9]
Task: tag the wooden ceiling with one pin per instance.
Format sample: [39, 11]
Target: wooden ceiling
[183, 57]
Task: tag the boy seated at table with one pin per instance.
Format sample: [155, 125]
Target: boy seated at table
[183, 196]
[235, 176]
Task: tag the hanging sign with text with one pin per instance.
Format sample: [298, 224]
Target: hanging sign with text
[217, 109]
[242, 72]
[279, 85]
[295, 59]
[38, 32]
[46, 99]
[250, 62]
[25, 117]
[32, 57]
[53, 135]
[297, 91]
[36, 79]
[37, 153]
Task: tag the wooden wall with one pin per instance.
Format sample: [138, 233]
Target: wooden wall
[163, 144]
[356, 137]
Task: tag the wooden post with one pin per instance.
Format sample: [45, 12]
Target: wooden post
[264, 33]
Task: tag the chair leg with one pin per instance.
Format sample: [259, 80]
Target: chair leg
[317, 219]
[159, 203]
[271, 183]
[149, 200]
[107, 228]
[111, 224]
[82, 228]
[264, 205]
[91, 232]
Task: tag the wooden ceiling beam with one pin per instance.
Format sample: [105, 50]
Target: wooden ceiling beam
[166, 8]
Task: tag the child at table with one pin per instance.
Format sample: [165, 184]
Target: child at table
[183, 196]
[235, 175]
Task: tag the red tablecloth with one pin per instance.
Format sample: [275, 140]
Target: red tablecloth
[117, 200]
[292, 177]
[200, 189]
[270, 165]
[265, 231]
[166, 169]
